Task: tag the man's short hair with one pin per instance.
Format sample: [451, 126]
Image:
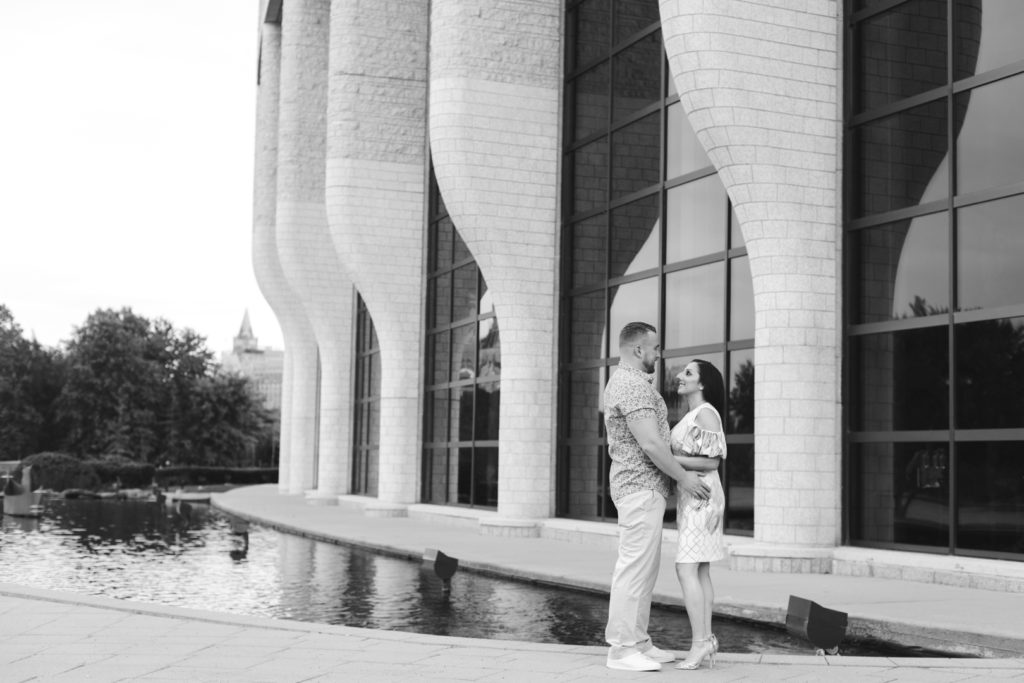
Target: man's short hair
[633, 332]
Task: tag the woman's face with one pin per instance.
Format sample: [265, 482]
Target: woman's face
[689, 380]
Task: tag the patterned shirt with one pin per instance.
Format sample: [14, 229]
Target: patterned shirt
[630, 396]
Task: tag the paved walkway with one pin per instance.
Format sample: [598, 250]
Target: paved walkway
[51, 636]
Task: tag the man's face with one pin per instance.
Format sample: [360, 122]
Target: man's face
[650, 347]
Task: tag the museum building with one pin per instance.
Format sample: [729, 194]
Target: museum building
[459, 203]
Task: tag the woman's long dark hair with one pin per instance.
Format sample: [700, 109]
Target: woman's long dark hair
[714, 385]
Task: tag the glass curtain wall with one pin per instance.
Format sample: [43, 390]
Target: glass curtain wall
[934, 249]
[366, 435]
[463, 372]
[648, 234]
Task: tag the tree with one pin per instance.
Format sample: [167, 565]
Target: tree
[141, 388]
[30, 381]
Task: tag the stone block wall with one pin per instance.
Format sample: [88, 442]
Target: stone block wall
[760, 84]
[298, 400]
[303, 240]
[494, 127]
[375, 196]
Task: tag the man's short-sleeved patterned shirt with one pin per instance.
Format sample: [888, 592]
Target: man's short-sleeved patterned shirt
[630, 396]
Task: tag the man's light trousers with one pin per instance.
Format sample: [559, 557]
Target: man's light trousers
[629, 605]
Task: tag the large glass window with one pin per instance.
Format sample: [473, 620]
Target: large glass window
[463, 372]
[648, 235]
[365, 465]
[935, 287]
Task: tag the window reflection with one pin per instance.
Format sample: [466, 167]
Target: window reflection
[636, 151]
[990, 491]
[922, 266]
[741, 305]
[901, 493]
[366, 409]
[631, 17]
[441, 257]
[635, 237]
[735, 231]
[464, 352]
[696, 215]
[695, 306]
[464, 297]
[635, 84]
[593, 31]
[739, 487]
[741, 393]
[985, 160]
[463, 374]
[590, 176]
[901, 380]
[586, 333]
[439, 352]
[629, 302]
[990, 374]
[901, 269]
[589, 251]
[902, 53]
[439, 295]
[897, 157]
[987, 35]
[591, 101]
[585, 389]
[683, 153]
[989, 273]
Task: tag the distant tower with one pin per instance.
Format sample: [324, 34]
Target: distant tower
[245, 340]
[265, 367]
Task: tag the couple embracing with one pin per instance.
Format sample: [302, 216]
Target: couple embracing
[647, 461]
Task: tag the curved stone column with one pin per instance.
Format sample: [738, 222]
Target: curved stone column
[760, 84]
[298, 397]
[303, 241]
[495, 82]
[375, 193]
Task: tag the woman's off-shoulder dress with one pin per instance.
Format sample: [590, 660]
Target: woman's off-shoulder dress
[699, 522]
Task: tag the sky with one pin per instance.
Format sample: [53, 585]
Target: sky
[126, 168]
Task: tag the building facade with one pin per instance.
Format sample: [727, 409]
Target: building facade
[458, 204]
[263, 366]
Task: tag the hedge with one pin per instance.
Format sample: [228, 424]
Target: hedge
[58, 471]
[172, 477]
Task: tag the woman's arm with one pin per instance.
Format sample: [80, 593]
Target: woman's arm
[697, 463]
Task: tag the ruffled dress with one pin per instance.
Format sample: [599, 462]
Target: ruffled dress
[699, 522]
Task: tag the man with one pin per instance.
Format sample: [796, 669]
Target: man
[642, 471]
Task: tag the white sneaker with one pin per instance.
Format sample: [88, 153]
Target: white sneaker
[659, 655]
[633, 662]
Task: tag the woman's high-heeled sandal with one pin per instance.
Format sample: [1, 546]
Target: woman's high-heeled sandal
[707, 650]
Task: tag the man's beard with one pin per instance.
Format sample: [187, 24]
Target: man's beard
[649, 367]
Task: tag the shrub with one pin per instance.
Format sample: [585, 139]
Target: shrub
[58, 471]
[132, 475]
[187, 475]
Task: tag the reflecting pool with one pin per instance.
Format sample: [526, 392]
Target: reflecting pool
[206, 559]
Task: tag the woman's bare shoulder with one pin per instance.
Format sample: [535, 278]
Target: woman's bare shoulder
[709, 420]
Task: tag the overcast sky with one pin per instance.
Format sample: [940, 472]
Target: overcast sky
[126, 164]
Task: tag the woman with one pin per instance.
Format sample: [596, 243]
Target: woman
[698, 443]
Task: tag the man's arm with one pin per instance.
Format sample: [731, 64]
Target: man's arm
[645, 431]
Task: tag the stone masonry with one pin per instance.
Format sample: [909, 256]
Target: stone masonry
[761, 85]
[303, 242]
[297, 406]
[495, 87]
[375, 194]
